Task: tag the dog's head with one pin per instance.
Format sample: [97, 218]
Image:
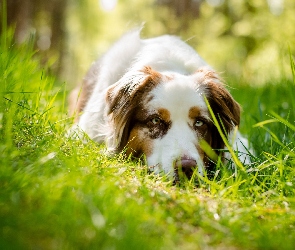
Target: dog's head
[165, 117]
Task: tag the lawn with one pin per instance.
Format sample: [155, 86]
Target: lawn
[58, 193]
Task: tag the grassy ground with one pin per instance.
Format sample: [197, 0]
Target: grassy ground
[56, 193]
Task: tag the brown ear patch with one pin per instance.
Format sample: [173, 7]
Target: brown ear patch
[124, 97]
[224, 107]
[221, 101]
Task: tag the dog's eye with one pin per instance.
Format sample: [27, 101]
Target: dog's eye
[199, 123]
[156, 120]
[157, 127]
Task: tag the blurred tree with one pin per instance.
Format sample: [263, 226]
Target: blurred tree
[185, 10]
[246, 39]
[44, 19]
[189, 8]
[19, 14]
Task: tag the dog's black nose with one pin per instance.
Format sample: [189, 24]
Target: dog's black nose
[186, 165]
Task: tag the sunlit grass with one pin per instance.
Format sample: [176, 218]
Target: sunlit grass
[58, 193]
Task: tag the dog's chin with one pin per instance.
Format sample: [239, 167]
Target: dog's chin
[180, 175]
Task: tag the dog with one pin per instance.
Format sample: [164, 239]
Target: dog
[151, 97]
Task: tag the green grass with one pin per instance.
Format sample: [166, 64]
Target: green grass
[57, 193]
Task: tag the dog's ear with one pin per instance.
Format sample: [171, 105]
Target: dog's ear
[224, 107]
[123, 98]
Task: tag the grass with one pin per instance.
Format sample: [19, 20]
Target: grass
[57, 193]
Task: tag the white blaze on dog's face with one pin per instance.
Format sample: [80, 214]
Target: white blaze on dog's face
[165, 117]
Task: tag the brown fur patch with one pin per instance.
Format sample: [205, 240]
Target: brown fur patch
[124, 98]
[223, 105]
[139, 142]
[155, 75]
[194, 112]
[164, 114]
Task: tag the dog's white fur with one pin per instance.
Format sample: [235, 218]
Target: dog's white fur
[158, 86]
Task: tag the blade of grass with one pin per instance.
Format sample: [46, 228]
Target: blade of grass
[292, 64]
[261, 124]
[282, 120]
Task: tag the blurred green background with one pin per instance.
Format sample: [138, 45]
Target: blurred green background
[249, 41]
